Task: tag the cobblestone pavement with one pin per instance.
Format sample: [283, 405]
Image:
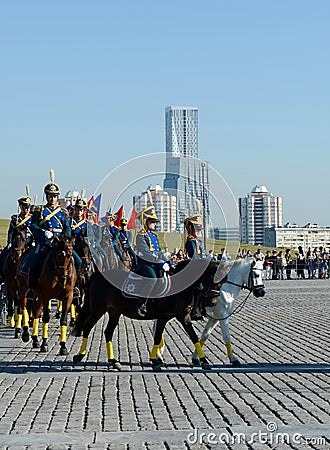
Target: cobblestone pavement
[282, 386]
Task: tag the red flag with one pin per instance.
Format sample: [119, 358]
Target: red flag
[119, 215]
[90, 202]
[132, 221]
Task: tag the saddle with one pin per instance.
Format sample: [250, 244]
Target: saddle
[136, 286]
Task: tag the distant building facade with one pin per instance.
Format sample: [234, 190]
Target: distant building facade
[186, 178]
[258, 210]
[165, 207]
[226, 234]
[291, 236]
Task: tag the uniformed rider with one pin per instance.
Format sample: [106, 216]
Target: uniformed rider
[48, 221]
[150, 259]
[125, 238]
[194, 247]
[194, 250]
[21, 220]
[78, 225]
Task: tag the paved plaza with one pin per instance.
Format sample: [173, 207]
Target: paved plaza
[279, 398]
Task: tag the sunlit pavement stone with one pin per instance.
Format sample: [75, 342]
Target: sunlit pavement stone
[278, 398]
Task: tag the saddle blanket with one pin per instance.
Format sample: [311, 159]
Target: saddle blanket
[136, 286]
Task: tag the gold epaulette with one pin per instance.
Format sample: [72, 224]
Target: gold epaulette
[14, 216]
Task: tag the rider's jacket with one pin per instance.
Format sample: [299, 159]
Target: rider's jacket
[148, 248]
[51, 219]
[124, 236]
[17, 221]
[194, 248]
[77, 225]
[110, 232]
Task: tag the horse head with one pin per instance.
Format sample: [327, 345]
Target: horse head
[255, 282]
[18, 243]
[63, 251]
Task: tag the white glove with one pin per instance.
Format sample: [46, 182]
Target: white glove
[48, 234]
[166, 267]
[9, 245]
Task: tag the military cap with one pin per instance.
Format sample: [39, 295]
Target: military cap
[52, 188]
[24, 201]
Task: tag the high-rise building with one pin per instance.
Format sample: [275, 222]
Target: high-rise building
[165, 207]
[258, 211]
[187, 178]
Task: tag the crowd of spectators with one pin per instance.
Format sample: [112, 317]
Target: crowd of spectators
[279, 265]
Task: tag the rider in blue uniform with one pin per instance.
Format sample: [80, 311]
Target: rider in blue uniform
[94, 232]
[150, 262]
[194, 247]
[194, 250]
[78, 225]
[125, 238]
[47, 221]
[21, 220]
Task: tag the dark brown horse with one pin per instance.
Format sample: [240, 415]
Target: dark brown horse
[102, 296]
[81, 246]
[9, 271]
[57, 280]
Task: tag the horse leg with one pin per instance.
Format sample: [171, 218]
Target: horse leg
[156, 360]
[72, 315]
[226, 337]
[108, 333]
[45, 324]
[10, 309]
[88, 325]
[209, 327]
[36, 311]
[58, 309]
[18, 314]
[66, 304]
[188, 327]
[161, 346]
[25, 334]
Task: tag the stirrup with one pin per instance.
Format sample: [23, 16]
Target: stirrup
[30, 295]
[142, 310]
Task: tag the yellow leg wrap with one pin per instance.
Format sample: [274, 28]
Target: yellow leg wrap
[229, 349]
[202, 342]
[63, 333]
[59, 305]
[35, 327]
[11, 321]
[45, 330]
[83, 346]
[162, 341]
[110, 350]
[19, 321]
[50, 305]
[73, 312]
[25, 318]
[153, 352]
[199, 350]
[15, 312]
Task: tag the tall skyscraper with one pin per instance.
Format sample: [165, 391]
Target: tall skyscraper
[259, 210]
[186, 177]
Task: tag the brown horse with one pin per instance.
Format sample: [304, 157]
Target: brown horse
[57, 280]
[102, 296]
[9, 271]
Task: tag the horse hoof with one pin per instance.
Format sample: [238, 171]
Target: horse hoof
[64, 351]
[156, 365]
[195, 361]
[205, 364]
[72, 322]
[25, 336]
[17, 333]
[114, 364]
[78, 358]
[44, 349]
[236, 363]
[35, 343]
[57, 315]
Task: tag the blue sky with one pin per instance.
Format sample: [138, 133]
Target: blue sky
[84, 86]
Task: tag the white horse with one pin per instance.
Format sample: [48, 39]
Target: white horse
[235, 275]
[239, 274]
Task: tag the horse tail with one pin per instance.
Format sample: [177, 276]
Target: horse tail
[82, 316]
